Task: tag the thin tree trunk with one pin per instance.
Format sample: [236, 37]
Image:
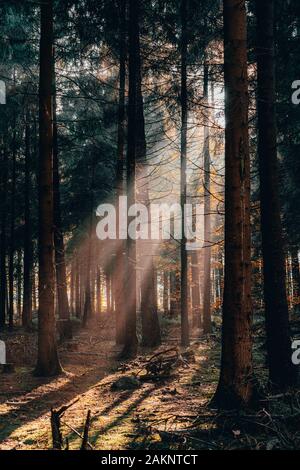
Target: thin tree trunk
[150, 323]
[19, 285]
[207, 218]
[60, 263]
[108, 292]
[183, 183]
[236, 388]
[130, 337]
[82, 269]
[288, 277]
[72, 287]
[3, 202]
[281, 370]
[93, 280]
[12, 233]
[47, 362]
[120, 247]
[77, 287]
[34, 299]
[27, 274]
[98, 291]
[88, 311]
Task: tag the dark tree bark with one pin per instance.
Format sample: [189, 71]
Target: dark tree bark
[296, 277]
[236, 388]
[19, 283]
[77, 287]
[207, 218]
[87, 304]
[60, 263]
[119, 272]
[281, 370]
[88, 310]
[27, 273]
[3, 247]
[12, 233]
[47, 362]
[183, 183]
[82, 271]
[34, 296]
[150, 323]
[130, 337]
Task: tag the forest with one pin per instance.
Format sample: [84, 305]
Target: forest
[149, 225]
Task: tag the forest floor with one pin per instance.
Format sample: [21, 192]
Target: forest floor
[154, 411]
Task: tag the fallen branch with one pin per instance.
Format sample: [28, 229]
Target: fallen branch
[77, 434]
[165, 351]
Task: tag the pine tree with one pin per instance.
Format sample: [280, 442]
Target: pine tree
[281, 373]
[47, 361]
[236, 388]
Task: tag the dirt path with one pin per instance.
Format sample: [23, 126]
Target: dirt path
[120, 419]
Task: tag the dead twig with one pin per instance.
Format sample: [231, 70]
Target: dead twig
[77, 434]
[86, 431]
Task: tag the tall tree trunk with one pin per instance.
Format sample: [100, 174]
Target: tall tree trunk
[281, 372]
[47, 362]
[130, 337]
[3, 202]
[27, 274]
[19, 285]
[60, 263]
[207, 217]
[150, 323]
[120, 247]
[183, 183]
[12, 233]
[235, 388]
